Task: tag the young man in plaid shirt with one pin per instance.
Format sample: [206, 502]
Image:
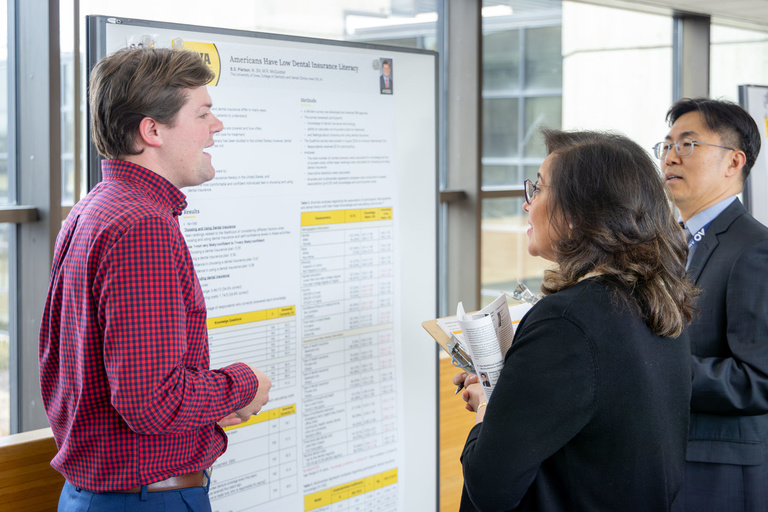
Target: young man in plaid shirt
[124, 364]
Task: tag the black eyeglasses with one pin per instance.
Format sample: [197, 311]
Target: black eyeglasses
[684, 147]
[531, 189]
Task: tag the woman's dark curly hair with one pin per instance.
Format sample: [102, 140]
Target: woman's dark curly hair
[616, 219]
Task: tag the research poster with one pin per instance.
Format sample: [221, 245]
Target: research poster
[315, 252]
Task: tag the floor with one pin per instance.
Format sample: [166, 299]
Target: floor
[455, 423]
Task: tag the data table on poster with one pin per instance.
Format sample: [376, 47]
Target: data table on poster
[261, 463]
[348, 346]
[267, 339]
[371, 494]
[347, 270]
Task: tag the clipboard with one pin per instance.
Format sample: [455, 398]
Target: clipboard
[459, 357]
[437, 333]
[456, 346]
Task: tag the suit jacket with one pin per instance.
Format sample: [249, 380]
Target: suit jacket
[590, 412]
[729, 342]
[383, 85]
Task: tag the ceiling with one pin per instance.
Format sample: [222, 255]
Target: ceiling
[752, 13]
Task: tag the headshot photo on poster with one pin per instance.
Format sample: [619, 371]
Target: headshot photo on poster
[385, 79]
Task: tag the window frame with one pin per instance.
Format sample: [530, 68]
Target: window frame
[34, 159]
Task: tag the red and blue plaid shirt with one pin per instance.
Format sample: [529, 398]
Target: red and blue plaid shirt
[124, 362]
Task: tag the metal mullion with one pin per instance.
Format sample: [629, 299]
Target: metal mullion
[13, 256]
[38, 96]
[77, 139]
[521, 104]
[501, 193]
[530, 93]
[463, 145]
[551, 19]
[18, 214]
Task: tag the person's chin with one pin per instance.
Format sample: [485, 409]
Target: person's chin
[531, 245]
[675, 187]
[209, 172]
[204, 176]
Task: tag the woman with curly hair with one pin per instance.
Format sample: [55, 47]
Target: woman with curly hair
[591, 409]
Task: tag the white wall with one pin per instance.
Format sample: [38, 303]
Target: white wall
[617, 71]
[738, 57]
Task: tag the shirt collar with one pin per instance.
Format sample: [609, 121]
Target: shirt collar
[706, 216]
[157, 187]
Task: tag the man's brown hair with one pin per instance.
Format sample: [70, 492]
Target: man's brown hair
[132, 84]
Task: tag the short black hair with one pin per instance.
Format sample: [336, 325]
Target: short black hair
[729, 120]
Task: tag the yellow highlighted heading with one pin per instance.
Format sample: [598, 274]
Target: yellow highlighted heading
[349, 490]
[345, 216]
[253, 316]
[263, 416]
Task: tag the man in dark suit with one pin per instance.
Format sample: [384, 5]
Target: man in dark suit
[385, 80]
[705, 159]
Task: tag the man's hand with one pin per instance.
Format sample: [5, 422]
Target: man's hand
[229, 420]
[261, 398]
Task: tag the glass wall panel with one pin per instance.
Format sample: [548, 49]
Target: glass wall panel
[531, 173]
[517, 102]
[504, 249]
[7, 196]
[506, 176]
[501, 60]
[604, 68]
[500, 134]
[522, 87]
[5, 404]
[739, 56]
[67, 154]
[68, 109]
[543, 60]
[540, 113]
[403, 23]
[617, 71]
[500, 175]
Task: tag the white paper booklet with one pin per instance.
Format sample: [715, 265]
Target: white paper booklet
[485, 337]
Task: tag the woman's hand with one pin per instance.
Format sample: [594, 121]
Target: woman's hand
[473, 394]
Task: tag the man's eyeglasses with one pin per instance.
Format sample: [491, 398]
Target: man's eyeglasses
[531, 189]
[684, 147]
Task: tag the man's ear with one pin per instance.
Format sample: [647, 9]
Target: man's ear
[149, 133]
[737, 162]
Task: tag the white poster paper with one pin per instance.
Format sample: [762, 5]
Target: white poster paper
[299, 245]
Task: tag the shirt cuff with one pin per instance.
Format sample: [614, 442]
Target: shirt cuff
[246, 384]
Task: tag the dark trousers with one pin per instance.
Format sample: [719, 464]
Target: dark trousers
[192, 499]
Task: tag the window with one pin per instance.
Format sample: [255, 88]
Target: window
[617, 71]
[5, 185]
[522, 93]
[5, 383]
[7, 196]
[738, 56]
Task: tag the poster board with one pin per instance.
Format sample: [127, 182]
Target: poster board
[315, 245]
[754, 98]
